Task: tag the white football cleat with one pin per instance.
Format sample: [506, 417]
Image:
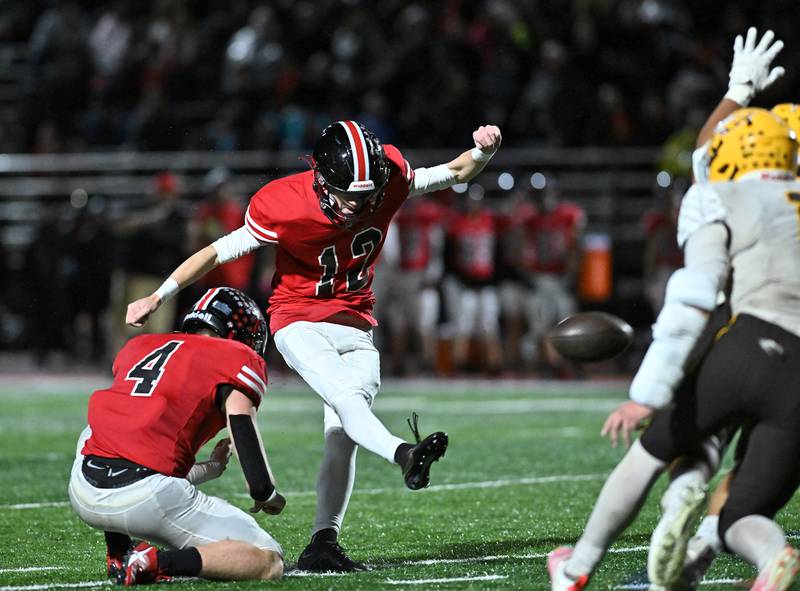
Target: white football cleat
[780, 572]
[556, 565]
[671, 536]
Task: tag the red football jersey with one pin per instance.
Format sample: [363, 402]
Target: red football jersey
[322, 268]
[550, 237]
[416, 223]
[663, 230]
[474, 243]
[510, 227]
[161, 408]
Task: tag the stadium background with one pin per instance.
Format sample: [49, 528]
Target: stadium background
[104, 105]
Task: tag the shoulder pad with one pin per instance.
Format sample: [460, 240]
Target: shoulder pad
[701, 205]
[396, 159]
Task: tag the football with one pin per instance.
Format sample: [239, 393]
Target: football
[591, 336]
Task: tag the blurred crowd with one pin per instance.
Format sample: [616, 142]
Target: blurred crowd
[465, 284]
[243, 74]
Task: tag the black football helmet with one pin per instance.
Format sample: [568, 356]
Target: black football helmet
[230, 314]
[349, 161]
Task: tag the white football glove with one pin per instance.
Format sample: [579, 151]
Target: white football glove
[750, 70]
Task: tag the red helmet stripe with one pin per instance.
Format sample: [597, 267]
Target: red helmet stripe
[359, 146]
[202, 304]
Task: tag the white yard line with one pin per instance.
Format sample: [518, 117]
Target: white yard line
[460, 485]
[435, 561]
[445, 580]
[378, 491]
[55, 586]
[35, 505]
[703, 582]
[29, 569]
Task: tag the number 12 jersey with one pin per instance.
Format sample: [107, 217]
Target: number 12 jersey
[322, 268]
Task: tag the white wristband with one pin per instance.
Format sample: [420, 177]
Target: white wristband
[168, 289]
[479, 155]
[741, 94]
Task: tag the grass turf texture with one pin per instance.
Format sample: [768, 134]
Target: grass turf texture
[520, 477]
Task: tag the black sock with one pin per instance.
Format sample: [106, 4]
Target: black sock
[180, 563]
[325, 535]
[401, 453]
[116, 543]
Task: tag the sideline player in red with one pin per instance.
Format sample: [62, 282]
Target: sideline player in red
[328, 225]
[135, 473]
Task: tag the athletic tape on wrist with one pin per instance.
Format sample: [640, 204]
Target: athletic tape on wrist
[168, 289]
[479, 155]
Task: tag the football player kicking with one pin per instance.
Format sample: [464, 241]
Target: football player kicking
[742, 218]
[328, 225]
[135, 473]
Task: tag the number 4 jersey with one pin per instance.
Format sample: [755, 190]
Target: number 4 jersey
[322, 269]
[162, 407]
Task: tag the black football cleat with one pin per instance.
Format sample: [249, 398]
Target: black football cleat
[323, 556]
[417, 464]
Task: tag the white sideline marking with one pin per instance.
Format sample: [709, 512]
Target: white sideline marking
[55, 586]
[447, 580]
[377, 491]
[308, 573]
[462, 485]
[35, 505]
[703, 582]
[28, 569]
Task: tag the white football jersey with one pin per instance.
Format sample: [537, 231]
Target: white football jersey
[763, 219]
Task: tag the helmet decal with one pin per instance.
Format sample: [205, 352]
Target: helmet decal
[359, 146]
[349, 162]
[230, 314]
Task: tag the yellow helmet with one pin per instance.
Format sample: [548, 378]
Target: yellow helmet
[751, 140]
[789, 112]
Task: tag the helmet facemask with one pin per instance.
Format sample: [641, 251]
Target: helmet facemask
[368, 200]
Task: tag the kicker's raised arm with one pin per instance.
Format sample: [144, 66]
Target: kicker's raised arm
[461, 169]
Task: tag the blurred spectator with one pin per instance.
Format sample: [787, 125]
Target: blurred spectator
[46, 284]
[662, 254]
[413, 315]
[262, 75]
[473, 304]
[219, 213]
[91, 246]
[551, 258]
[514, 285]
[156, 239]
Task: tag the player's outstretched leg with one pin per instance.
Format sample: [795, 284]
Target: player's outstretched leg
[416, 460]
[620, 499]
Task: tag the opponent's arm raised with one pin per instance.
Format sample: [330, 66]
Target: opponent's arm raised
[750, 74]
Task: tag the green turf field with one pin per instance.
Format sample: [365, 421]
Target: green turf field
[523, 469]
